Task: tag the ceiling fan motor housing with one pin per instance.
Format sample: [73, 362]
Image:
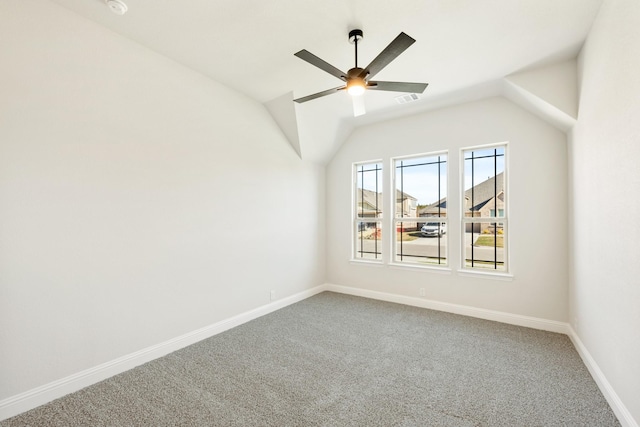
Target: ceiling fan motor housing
[353, 73]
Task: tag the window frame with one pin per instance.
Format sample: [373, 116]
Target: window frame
[393, 220]
[504, 220]
[355, 218]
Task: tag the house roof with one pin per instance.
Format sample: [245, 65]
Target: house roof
[400, 196]
[482, 194]
[369, 197]
[439, 207]
[485, 191]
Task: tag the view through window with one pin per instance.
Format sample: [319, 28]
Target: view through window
[484, 219]
[368, 211]
[420, 209]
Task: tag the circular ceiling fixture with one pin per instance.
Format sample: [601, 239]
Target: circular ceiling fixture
[117, 6]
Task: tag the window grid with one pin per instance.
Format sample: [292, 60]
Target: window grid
[475, 222]
[362, 249]
[402, 217]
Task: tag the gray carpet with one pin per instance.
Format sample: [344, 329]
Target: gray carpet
[337, 360]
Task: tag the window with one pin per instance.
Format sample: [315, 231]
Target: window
[420, 210]
[367, 222]
[484, 233]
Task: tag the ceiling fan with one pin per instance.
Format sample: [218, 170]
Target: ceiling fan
[357, 79]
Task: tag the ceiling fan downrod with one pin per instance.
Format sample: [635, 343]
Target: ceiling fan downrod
[354, 37]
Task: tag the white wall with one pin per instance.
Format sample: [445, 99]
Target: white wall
[138, 200]
[538, 208]
[605, 179]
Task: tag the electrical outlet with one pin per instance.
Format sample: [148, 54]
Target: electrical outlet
[273, 295]
[422, 292]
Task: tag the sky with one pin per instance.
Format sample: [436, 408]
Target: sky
[420, 180]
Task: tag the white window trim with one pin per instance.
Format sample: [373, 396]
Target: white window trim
[442, 269]
[463, 270]
[498, 275]
[354, 214]
[392, 220]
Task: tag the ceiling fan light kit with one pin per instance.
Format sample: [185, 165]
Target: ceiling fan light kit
[357, 79]
[356, 86]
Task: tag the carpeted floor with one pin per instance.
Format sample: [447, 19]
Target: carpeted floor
[338, 360]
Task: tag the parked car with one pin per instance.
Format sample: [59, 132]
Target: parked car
[433, 229]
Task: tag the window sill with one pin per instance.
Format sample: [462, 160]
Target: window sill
[432, 269]
[486, 275]
[366, 262]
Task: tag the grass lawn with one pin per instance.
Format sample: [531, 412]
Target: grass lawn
[407, 236]
[487, 240]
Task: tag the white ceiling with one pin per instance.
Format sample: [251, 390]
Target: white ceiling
[248, 45]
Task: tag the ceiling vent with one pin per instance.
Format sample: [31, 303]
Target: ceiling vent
[118, 7]
[405, 99]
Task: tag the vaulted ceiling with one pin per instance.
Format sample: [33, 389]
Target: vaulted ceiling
[463, 48]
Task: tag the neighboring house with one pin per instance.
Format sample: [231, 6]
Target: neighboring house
[480, 201]
[406, 205]
[484, 198]
[437, 209]
[370, 205]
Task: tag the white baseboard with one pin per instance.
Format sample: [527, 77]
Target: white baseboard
[481, 313]
[54, 390]
[22, 402]
[624, 416]
[621, 411]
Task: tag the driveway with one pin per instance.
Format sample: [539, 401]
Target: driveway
[427, 247]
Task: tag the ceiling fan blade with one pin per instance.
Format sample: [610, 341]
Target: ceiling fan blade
[397, 86]
[391, 52]
[320, 63]
[358, 106]
[319, 94]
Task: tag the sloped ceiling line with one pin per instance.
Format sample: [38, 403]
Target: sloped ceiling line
[283, 111]
[549, 92]
[248, 46]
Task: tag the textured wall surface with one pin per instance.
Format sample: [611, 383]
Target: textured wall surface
[139, 200]
[537, 204]
[605, 179]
